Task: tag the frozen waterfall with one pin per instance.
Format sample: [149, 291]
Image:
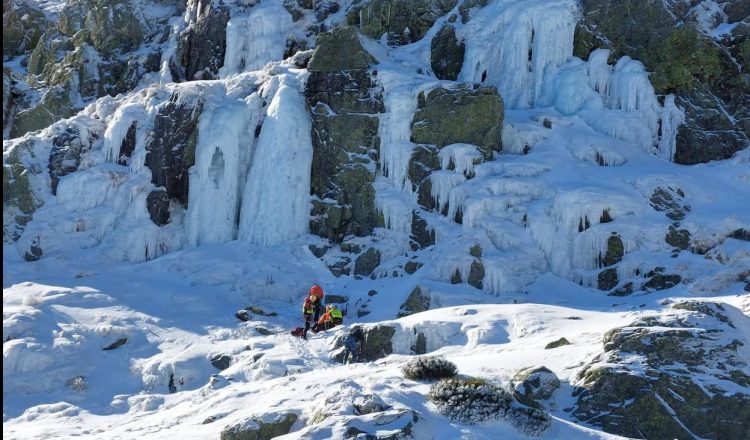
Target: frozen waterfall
[276, 201]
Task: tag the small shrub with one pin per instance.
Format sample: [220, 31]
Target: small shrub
[531, 421]
[470, 400]
[429, 368]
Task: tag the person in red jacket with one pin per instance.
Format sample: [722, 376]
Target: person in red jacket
[311, 308]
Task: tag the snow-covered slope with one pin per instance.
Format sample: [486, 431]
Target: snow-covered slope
[526, 196]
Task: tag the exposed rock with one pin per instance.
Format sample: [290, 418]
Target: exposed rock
[667, 200]
[412, 266]
[392, 424]
[22, 27]
[558, 343]
[128, 144]
[660, 281]
[676, 381]
[420, 344]
[243, 315]
[263, 331]
[339, 50]
[344, 100]
[35, 251]
[171, 147]
[19, 201]
[117, 344]
[417, 301]
[460, 115]
[366, 263]
[221, 361]
[421, 234]
[607, 279]
[678, 238]
[476, 274]
[467, 5]
[54, 105]
[336, 299]
[533, 384]
[615, 251]
[424, 160]
[259, 311]
[203, 44]
[377, 342]
[157, 204]
[447, 53]
[260, 428]
[476, 251]
[404, 22]
[368, 404]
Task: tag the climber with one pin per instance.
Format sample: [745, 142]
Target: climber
[353, 345]
[325, 322]
[311, 308]
[337, 317]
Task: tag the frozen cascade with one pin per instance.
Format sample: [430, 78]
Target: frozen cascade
[443, 184]
[395, 205]
[255, 39]
[631, 90]
[671, 118]
[510, 44]
[221, 159]
[276, 202]
[395, 129]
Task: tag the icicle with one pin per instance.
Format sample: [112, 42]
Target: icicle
[395, 207]
[443, 183]
[276, 201]
[600, 73]
[671, 118]
[462, 156]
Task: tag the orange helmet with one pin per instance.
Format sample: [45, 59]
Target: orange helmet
[316, 291]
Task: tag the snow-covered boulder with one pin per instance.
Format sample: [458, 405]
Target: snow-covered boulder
[533, 384]
[263, 427]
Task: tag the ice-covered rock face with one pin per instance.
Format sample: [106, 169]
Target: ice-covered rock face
[415, 141]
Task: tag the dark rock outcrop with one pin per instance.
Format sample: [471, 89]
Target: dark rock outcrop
[366, 263]
[203, 44]
[534, 384]
[418, 301]
[404, 22]
[157, 204]
[460, 115]
[171, 147]
[344, 102]
[446, 54]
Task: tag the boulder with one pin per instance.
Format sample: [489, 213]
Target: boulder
[339, 50]
[377, 342]
[418, 301]
[607, 279]
[367, 262]
[221, 361]
[534, 384]
[260, 428]
[676, 381]
[368, 404]
[422, 235]
[460, 115]
[115, 345]
[446, 53]
[558, 343]
[678, 238]
[476, 274]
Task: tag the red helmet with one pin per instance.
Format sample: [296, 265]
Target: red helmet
[317, 291]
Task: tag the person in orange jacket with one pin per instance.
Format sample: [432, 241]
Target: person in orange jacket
[311, 308]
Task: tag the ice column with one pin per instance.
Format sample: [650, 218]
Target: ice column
[671, 118]
[220, 164]
[256, 39]
[276, 201]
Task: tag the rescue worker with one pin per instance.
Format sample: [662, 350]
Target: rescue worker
[311, 308]
[337, 317]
